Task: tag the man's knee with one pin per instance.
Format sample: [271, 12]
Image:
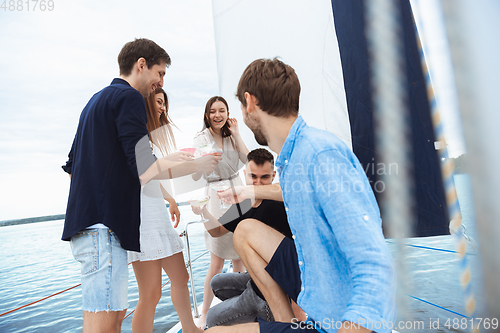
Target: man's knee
[245, 226]
[228, 285]
[243, 233]
[102, 321]
[217, 283]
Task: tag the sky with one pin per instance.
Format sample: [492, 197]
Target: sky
[52, 62]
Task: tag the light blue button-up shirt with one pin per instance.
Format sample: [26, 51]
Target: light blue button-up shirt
[346, 269]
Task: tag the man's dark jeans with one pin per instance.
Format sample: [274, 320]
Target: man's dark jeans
[240, 302]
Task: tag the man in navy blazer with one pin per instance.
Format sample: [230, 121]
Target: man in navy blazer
[109, 160]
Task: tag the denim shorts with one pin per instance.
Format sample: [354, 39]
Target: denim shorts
[104, 270]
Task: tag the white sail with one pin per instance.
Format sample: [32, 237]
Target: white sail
[300, 33]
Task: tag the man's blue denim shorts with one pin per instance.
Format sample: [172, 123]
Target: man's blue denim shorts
[104, 270]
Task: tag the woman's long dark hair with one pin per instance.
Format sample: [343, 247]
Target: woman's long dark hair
[160, 130]
[225, 129]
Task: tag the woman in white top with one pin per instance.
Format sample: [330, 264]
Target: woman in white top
[221, 132]
[161, 246]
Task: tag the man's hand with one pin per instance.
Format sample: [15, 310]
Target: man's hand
[180, 156]
[236, 194]
[207, 163]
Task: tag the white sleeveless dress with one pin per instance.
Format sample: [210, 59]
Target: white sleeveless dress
[228, 168]
[158, 238]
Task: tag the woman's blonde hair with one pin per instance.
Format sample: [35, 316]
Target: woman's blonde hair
[160, 130]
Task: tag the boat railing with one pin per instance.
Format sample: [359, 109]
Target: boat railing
[190, 267]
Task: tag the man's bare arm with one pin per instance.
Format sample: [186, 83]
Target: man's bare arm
[213, 226]
[170, 166]
[269, 192]
[261, 192]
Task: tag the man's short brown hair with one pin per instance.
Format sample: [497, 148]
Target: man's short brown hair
[141, 48]
[260, 156]
[274, 84]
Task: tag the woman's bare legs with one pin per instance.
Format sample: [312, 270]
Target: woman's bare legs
[148, 275]
[216, 265]
[238, 266]
[175, 268]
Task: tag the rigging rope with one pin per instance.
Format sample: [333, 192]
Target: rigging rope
[19, 308]
[431, 248]
[447, 171]
[438, 306]
[62, 291]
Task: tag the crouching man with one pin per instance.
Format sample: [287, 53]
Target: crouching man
[242, 300]
[337, 267]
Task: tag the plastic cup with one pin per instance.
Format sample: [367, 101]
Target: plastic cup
[189, 150]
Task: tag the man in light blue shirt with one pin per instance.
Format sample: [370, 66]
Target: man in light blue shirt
[337, 268]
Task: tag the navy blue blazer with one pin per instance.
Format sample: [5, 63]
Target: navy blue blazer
[110, 150]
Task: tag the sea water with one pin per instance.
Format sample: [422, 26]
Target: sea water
[35, 263]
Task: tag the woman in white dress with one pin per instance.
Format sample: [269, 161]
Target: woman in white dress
[161, 246]
[221, 132]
